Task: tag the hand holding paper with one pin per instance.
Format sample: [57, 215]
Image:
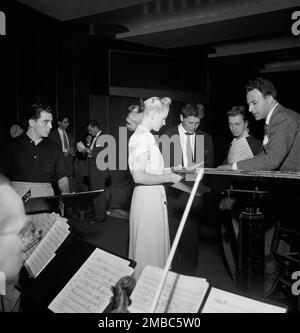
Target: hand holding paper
[81, 147]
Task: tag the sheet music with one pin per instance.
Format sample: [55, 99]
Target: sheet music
[182, 187]
[239, 150]
[89, 290]
[80, 146]
[41, 232]
[181, 294]
[220, 301]
[45, 251]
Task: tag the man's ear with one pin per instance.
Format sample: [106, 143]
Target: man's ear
[181, 118]
[270, 99]
[31, 122]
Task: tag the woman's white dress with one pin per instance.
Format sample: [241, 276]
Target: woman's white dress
[149, 242]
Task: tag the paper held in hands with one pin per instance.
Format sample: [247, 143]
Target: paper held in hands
[80, 146]
[190, 174]
[239, 150]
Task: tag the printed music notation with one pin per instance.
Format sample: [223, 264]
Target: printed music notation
[181, 294]
[239, 150]
[220, 301]
[43, 252]
[89, 290]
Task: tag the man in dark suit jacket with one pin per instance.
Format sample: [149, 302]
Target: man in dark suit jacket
[281, 145]
[97, 178]
[65, 141]
[193, 147]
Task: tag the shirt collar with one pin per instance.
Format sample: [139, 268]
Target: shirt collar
[270, 114]
[96, 136]
[182, 130]
[246, 134]
[26, 138]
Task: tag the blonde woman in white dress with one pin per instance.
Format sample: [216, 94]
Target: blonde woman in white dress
[149, 242]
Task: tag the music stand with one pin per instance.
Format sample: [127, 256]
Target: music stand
[39, 292]
[58, 203]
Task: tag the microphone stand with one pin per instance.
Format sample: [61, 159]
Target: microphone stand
[176, 240]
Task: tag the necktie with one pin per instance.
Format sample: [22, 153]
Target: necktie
[189, 151]
[93, 142]
[266, 130]
[65, 141]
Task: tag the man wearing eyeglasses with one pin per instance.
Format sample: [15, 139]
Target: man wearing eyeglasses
[13, 223]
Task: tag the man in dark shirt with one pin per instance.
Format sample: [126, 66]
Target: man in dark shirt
[32, 162]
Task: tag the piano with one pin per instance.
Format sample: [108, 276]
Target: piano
[252, 188]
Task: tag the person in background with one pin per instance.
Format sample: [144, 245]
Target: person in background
[97, 178]
[148, 219]
[65, 140]
[16, 130]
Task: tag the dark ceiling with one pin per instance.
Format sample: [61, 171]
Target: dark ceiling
[225, 27]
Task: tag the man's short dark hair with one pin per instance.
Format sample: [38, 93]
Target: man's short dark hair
[193, 110]
[93, 123]
[265, 86]
[61, 118]
[34, 111]
[238, 110]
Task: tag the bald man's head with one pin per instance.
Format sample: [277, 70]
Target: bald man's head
[12, 221]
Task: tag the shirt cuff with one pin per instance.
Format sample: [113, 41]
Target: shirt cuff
[234, 166]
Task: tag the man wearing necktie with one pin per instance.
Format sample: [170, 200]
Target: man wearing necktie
[65, 140]
[195, 147]
[281, 147]
[97, 178]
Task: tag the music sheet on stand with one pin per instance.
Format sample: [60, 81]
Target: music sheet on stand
[45, 251]
[48, 222]
[220, 301]
[181, 293]
[89, 290]
[239, 151]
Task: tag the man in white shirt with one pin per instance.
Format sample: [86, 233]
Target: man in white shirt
[281, 146]
[195, 147]
[97, 178]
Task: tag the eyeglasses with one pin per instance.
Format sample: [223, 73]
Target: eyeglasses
[27, 235]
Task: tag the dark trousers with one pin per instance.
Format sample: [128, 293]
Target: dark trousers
[186, 257]
[97, 181]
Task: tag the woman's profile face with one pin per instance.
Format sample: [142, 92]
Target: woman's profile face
[159, 118]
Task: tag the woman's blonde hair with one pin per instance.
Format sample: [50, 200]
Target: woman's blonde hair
[137, 112]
